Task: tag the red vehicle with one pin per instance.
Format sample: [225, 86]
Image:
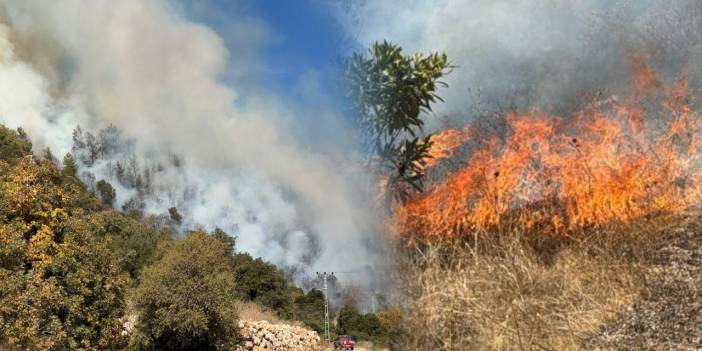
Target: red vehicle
[344, 342]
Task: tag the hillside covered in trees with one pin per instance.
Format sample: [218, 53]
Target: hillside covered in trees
[75, 270]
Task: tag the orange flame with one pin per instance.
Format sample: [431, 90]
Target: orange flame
[603, 165]
[445, 144]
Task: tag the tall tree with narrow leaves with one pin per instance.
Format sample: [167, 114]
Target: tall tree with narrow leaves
[390, 92]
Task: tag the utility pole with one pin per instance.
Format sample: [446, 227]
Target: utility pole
[326, 305]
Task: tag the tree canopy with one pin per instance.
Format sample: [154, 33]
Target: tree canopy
[13, 144]
[186, 300]
[390, 92]
[62, 288]
[263, 283]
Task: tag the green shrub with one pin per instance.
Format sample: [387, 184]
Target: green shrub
[262, 282]
[133, 240]
[309, 308]
[362, 326]
[186, 299]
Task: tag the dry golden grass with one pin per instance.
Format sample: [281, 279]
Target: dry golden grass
[516, 292]
[253, 312]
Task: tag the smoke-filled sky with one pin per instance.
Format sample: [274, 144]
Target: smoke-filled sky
[256, 161]
[536, 53]
[245, 93]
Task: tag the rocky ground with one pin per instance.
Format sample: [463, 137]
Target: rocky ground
[669, 317]
[263, 335]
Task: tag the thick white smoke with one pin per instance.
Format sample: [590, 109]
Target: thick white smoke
[541, 53]
[145, 69]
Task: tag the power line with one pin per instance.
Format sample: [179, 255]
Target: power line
[324, 276]
[326, 305]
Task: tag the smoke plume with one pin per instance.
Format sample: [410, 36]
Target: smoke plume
[222, 153]
[545, 53]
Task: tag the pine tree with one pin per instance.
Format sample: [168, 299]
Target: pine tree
[70, 169]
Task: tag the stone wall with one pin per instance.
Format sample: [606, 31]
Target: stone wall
[263, 335]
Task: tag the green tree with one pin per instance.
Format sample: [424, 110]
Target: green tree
[229, 240]
[349, 321]
[134, 241]
[175, 215]
[61, 288]
[186, 299]
[361, 326]
[106, 192]
[13, 144]
[372, 329]
[69, 175]
[70, 169]
[262, 282]
[390, 92]
[49, 156]
[309, 308]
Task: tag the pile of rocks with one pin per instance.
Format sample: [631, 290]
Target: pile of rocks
[263, 335]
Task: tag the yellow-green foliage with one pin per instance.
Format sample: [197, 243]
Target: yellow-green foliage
[391, 322]
[133, 240]
[60, 288]
[13, 144]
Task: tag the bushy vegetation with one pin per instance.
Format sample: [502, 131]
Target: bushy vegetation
[134, 239]
[74, 271]
[360, 326]
[186, 300]
[62, 287]
[309, 308]
[13, 144]
[263, 283]
[77, 274]
[383, 329]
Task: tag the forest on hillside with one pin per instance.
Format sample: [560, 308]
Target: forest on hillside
[74, 270]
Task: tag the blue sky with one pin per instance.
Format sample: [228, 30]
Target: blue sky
[284, 45]
[309, 36]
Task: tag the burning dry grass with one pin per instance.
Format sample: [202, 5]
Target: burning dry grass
[615, 161]
[513, 292]
[542, 233]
